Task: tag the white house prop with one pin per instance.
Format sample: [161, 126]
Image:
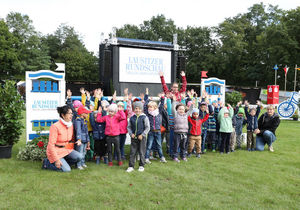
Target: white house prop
[45, 91]
[214, 86]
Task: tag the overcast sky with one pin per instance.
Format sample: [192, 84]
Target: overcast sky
[91, 17]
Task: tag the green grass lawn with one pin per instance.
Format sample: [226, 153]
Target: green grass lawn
[240, 180]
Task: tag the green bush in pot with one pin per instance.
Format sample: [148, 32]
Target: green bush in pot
[11, 107]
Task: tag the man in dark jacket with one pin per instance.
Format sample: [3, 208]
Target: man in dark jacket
[267, 125]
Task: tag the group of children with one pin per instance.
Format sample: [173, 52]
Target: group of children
[191, 125]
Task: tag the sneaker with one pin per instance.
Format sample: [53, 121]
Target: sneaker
[152, 158]
[253, 149]
[227, 153]
[163, 160]
[110, 163]
[271, 149]
[176, 160]
[84, 166]
[120, 163]
[213, 150]
[249, 150]
[147, 161]
[232, 150]
[184, 159]
[130, 169]
[198, 156]
[204, 150]
[141, 169]
[80, 168]
[189, 155]
[221, 153]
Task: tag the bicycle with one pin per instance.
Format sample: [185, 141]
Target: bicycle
[288, 107]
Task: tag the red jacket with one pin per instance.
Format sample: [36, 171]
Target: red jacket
[112, 126]
[166, 90]
[196, 124]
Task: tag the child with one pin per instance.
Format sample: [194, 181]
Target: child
[195, 131]
[225, 118]
[82, 134]
[100, 146]
[181, 128]
[155, 119]
[123, 129]
[252, 124]
[212, 126]
[138, 128]
[202, 114]
[112, 130]
[240, 122]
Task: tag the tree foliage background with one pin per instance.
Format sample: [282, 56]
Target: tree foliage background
[242, 49]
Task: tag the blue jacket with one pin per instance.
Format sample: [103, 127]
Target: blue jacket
[252, 120]
[138, 125]
[81, 130]
[155, 121]
[240, 122]
[98, 128]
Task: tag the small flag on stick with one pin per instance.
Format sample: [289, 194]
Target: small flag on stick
[203, 73]
[286, 69]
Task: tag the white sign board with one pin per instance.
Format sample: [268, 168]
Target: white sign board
[143, 65]
[45, 91]
[214, 86]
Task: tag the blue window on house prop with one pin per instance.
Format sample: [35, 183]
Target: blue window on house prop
[35, 123]
[42, 123]
[45, 86]
[48, 86]
[36, 85]
[42, 86]
[48, 122]
[55, 87]
[212, 89]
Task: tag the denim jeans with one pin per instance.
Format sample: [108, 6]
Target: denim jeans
[154, 136]
[267, 138]
[71, 159]
[82, 150]
[203, 137]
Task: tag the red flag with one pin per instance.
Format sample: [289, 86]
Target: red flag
[286, 69]
[203, 73]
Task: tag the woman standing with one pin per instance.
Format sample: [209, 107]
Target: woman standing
[60, 149]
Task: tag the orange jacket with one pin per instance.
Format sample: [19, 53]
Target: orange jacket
[60, 135]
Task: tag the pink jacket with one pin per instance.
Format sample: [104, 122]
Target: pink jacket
[112, 127]
[124, 124]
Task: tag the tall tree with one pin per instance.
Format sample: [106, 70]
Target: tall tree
[9, 61]
[66, 46]
[31, 51]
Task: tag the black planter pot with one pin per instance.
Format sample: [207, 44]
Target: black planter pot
[5, 151]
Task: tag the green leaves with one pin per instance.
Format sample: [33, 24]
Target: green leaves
[11, 106]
